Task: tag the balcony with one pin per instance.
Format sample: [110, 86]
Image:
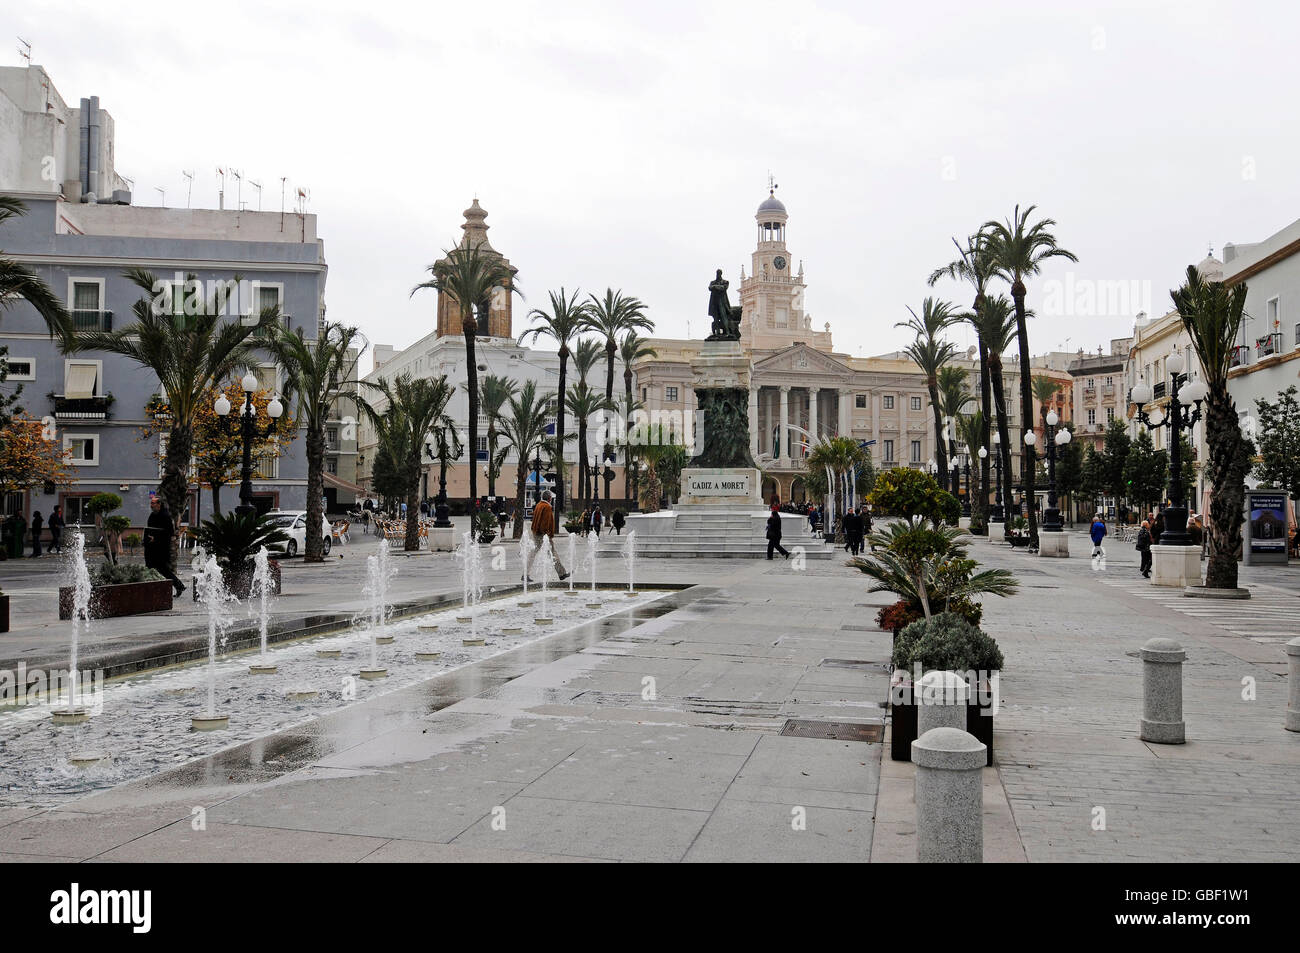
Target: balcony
[92, 320]
[1108, 390]
[1158, 392]
[1240, 356]
[1269, 344]
[268, 330]
[89, 409]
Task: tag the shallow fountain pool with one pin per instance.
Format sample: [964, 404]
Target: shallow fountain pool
[143, 722]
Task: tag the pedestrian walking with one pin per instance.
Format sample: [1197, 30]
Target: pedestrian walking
[1098, 533]
[55, 525]
[1158, 528]
[586, 520]
[36, 534]
[1144, 547]
[597, 518]
[365, 521]
[617, 521]
[543, 526]
[158, 534]
[853, 531]
[774, 534]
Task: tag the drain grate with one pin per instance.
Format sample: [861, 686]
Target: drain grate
[853, 663]
[833, 730]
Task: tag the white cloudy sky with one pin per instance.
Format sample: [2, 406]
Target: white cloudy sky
[628, 144]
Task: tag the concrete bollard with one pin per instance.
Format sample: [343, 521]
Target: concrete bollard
[1293, 677]
[941, 701]
[949, 797]
[1162, 692]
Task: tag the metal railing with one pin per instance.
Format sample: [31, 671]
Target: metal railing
[92, 320]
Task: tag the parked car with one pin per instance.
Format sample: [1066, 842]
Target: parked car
[293, 523]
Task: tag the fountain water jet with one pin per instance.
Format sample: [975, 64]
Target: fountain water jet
[629, 557]
[378, 575]
[547, 558]
[573, 563]
[525, 553]
[262, 590]
[473, 570]
[593, 546]
[73, 714]
[210, 586]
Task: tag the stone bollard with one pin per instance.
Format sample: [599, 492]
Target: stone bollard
[1293, 676]
[941, 699]
[949, 797]
[1162, 692]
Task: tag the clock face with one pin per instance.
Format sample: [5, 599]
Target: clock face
[779, 262]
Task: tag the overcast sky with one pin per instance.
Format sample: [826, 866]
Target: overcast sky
[628, 144]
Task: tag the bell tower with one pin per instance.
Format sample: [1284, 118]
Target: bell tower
[493, 315]
[771, 298]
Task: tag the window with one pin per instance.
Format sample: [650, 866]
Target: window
[1297, 335]
[82, 378]
[21, 368]
[74, 510]
[482, 445]
[1110, 382]
[86, 295]
[916, 451]
[645, 394]
[331, 465]
[1110, 414]
[1092, 416]
[268, 378]
[670, 394]
[916, 403]
[889, 450]
[1272, 312]
[1092, 383]
[84, 449]
[331, 436]
[13, 504]
[860, 401]
[889, 405]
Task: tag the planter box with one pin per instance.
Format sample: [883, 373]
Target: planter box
[904, 729]
[4, 613]
[130, 598]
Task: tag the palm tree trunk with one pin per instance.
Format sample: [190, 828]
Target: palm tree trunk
[610, 350]
[584, 477]
[520, 474]
[559, 431]
[471, 388]
[627, 443]
[174, 486]
[940, 448]
[311, 550]
[1004, 437]
[1227, 468]
[986, 407]
[492, 455]
[1029, 457]
[412, 543]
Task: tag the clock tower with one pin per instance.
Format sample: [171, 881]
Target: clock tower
[771, 298]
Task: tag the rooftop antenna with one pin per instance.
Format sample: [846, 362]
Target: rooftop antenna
[221, 192]
[771, 183]
[239, 188]
[162, 196]
[258, 186]
[189, 190]
[25, 51]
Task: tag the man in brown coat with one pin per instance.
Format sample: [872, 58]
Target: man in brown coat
[543, 526]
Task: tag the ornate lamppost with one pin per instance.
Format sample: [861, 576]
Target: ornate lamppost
[996, 516]
[1055, 438]
[1184, 410]
[248, 432]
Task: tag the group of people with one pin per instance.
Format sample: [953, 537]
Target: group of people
[856, 524]
[54, 525]
[592, 519]
[1149, 534]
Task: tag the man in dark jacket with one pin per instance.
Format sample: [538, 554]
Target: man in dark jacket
[853, 532]
[1144, 547]
[36, 534]
[774, 534]
[55, 525]
[158, 534]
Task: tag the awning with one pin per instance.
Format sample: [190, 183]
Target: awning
[79, 380]
[334, 481]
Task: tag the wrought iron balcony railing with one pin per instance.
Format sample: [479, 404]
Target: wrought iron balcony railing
[92, 320]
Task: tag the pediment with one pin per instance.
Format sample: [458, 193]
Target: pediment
[800, 359]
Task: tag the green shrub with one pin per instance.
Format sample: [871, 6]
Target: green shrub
[102, 503]
[132, 541]
[116, 524]
[116, 574]
[235, 538]
[946, 642]
[949, 507]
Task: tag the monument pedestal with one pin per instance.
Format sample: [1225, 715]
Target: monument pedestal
[1053, 544]
[442, 539]
[1176, 566]
[711, 486]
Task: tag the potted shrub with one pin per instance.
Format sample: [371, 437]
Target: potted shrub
[944, 642]
[120, 590]
[132, 543]
[486, 525]
[235, 540]
[1019, 535]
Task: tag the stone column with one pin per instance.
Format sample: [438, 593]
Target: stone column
[812, 412]
[1293, 706]
[846, 412]
[941, 700]
[753, 420]
[783, 434]
[1162, 692]
[949, 797]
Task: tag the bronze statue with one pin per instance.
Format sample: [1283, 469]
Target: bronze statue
[726, 319]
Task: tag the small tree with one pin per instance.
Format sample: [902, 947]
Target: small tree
[909, 493]
[31, 455]
[1278, 442]
[1145, 471]
[1069, 473]
[1114, 457]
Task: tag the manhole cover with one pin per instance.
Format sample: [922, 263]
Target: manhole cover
[853, 663]
[832, 730]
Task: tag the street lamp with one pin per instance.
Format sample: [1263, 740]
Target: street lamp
[248, 432]
[1183, 411]
[997, 516]
[441, 511]
[1055, 438]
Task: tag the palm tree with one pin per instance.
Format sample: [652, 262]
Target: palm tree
[471, 277]
[18, 283]
[317, 373]
[584, 403]
[415, 408]
[839, 455]
[524, 428]
[585, 356]
[188, 356]
[1018, 251]
[929, 354]
[970, 430]
[1045, 389]
[563, 323]
[1212, 314]
[996, 325]
[611, 317]
[974, 265]
[953, 398]
[631, 349]
[495, 392]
